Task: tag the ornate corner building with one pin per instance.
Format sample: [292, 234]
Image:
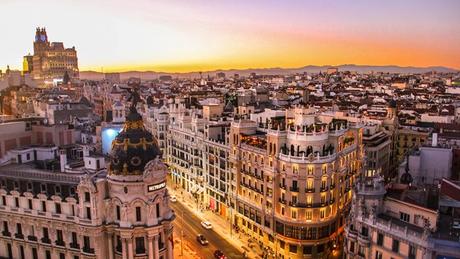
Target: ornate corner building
[118, 212]
[294, 180]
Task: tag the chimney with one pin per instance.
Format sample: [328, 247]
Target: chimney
[434, 142]
[63, 159]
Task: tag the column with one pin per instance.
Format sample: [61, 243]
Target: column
[150, 246]
[124, 249]
[110, 244]
[156, 248]
[130, 249]
[169, 245]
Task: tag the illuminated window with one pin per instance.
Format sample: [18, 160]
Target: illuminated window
[309, 200]
[295, 169]
[294, 214]
[308, 215]
[310, 184]
[324, 169]
[323, 198]
[322, 213]
[310, 170]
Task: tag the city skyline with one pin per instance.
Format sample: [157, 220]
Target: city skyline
[196, 35]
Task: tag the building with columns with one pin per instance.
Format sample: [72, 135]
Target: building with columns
[52, 207]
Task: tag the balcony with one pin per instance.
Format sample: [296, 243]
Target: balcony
[6, 233]
[19, 236]
[60, 243]
[74, 246]
[46, 240]
[32, 238]
[332, 186]
[282, 186]
[323, 189]
[88, 250]
[294, 189]
[282, 201]
[310, 190]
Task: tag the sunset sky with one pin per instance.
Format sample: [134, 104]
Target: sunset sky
[192, 35]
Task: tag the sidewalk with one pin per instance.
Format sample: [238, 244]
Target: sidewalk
[220, 225]
[188, 252]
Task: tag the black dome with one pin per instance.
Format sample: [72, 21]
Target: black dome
[133, 148]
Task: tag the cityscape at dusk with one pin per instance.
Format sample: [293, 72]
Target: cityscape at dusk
[230, 129]
[200, 35]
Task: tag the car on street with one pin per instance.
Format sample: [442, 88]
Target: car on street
[173, 198]
[206, 224]
[201, 239]
[219, 255]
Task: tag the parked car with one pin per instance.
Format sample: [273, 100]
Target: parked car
[219, 255]
[206, 224]
[173, 198]
[201, 239]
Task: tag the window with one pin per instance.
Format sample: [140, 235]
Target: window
[158, 209]
[395, 246]
[118, 212]
[380, 238]
[48, 254]
[43, 187]
[307, 250]
[404, 216]
[352, 246]
[61, 256]
[4, 200]
[34, 253]
[74, 238]
[16, 202]
[19, 228]
[412, 252]
[308, 215]
[57, 189]
[140, 246]
[294, 214]
[44, 206]
[364, 231]
[87, 197]
[59, 236]
[138, 214]
[378, 255]
[322, 213]
[86, 242]
[293, 248]
[21, 252]
[88, 212]
[58, 208]
[30, 204]
[45, 233]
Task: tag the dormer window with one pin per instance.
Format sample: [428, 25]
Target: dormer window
[43, 188]
[57, 189]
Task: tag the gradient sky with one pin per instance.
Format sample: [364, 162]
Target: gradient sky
[192, 35]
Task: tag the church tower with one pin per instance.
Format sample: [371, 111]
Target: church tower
[138, 214]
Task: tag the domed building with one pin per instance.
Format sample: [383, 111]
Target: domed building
[138, 212]
[118, 210]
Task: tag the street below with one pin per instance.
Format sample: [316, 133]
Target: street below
[191, 226]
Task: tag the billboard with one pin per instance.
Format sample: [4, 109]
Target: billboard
[108, 134]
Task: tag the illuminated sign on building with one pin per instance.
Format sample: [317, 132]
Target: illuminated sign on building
[156, 187]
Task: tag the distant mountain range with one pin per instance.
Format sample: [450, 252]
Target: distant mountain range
[149, 75]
